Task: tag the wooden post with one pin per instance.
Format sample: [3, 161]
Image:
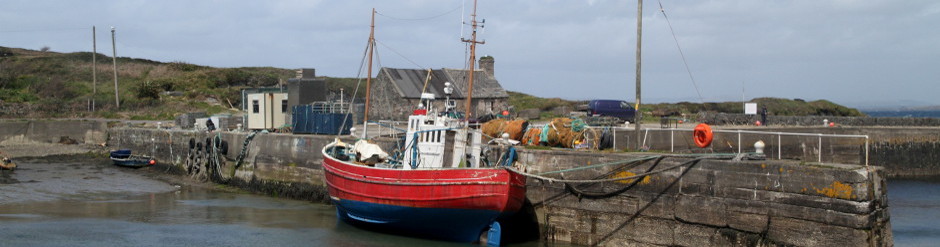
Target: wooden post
[117, 99]
[94, 66]
[639, 38]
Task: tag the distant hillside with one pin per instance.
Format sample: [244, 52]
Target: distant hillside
[776, 106]
[56, 84]
[60, 85]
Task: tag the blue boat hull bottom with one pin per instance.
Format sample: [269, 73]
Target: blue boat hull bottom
[133, 161]
[460, 225]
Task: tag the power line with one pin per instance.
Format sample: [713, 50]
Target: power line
[42, 30]
[421, 19]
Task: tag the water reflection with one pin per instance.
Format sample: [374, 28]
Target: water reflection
[914, 205]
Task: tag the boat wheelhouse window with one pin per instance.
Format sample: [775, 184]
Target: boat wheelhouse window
[284, 105]
[254, 106]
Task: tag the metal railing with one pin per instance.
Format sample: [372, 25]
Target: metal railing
[779, 135]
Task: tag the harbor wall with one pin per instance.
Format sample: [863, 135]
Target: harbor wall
[275, 164]
[19, 132]
[742, 119]
[902, 151]
[709, 203]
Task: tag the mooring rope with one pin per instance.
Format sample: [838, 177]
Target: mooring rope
[581, 193]
[640, 175]
[604, 164]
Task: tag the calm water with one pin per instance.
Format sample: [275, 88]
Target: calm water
[98, 204]
[931, 114]
[915, 211]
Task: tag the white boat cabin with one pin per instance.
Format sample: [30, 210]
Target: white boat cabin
[433, 141]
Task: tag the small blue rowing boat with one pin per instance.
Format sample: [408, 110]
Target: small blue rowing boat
[123, 157]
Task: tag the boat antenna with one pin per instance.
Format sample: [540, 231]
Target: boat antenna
[473, 46]
[371, 49]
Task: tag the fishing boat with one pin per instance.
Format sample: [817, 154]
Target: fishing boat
[7, 164]
[124, 157]
[439, 189]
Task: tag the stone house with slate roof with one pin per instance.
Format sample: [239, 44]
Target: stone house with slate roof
[396, 93]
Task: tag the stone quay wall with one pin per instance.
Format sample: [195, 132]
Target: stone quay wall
[22, 132]
[709, 203]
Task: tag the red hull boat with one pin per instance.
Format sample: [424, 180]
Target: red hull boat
[455, 204]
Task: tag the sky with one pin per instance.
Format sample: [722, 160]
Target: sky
[861, 53]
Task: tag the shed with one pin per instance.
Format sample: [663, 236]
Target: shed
[266, 110]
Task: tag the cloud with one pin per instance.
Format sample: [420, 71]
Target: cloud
[837, 49]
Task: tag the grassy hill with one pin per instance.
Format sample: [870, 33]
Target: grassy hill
[60, 85]
[776, 106]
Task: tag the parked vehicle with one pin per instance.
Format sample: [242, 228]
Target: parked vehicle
[613, 108]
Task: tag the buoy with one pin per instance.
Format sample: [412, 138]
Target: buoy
[702, 135]
[153, 162]
[757, 122]
[832, 124]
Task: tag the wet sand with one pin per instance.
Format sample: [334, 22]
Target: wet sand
[84, 200]
[62, 177]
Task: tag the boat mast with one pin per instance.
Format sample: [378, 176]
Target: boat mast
[371, 47]
[639, 40]
[473, 58]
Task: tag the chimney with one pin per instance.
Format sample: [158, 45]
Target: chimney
[486, 64]
[308, 73]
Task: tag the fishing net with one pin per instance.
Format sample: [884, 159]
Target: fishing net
[496, 127]
[566, 133]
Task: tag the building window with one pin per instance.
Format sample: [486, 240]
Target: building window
[254, 106]
[284, 105]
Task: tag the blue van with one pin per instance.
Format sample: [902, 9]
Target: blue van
[614, 108]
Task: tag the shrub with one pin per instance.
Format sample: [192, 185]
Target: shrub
[148, 89]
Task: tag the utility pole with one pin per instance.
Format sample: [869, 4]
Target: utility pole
[117, 99]
[639, 38]
[94, 66]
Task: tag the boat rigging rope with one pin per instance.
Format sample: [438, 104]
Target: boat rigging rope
[400, 55]
[681, 54]
[352, 100]
[421, 19]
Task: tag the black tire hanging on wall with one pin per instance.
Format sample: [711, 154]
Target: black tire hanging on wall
[223, 147]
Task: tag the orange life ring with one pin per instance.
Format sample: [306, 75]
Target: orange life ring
[702, 135]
